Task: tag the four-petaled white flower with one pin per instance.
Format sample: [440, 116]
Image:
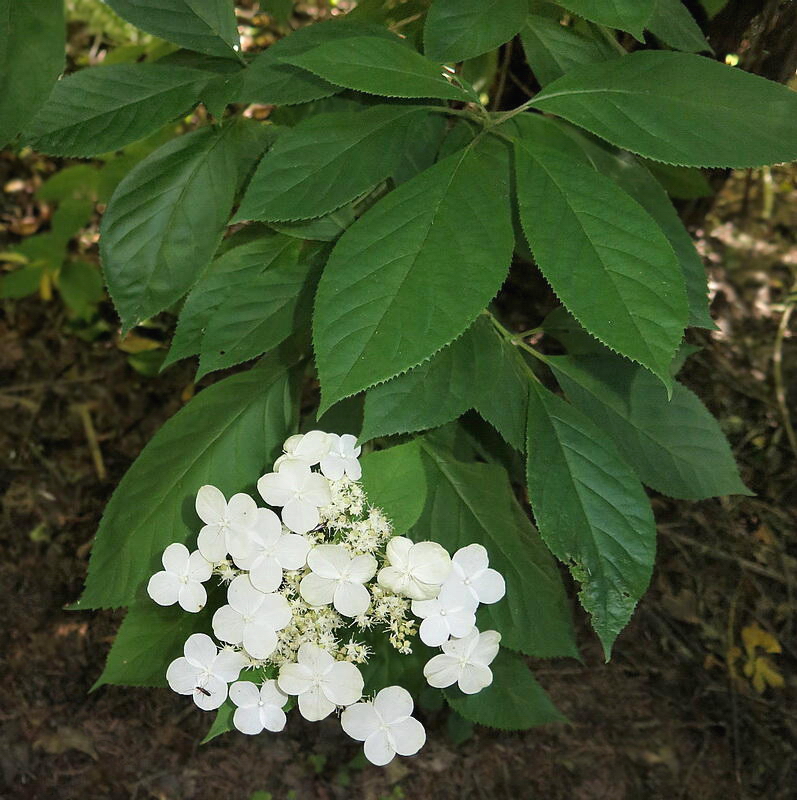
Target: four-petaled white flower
[451, 613]
[470, 568]
[271, 551]
[204, 672]
[338, 578]
[320, 682]
[299, 491]
[342, 458]
[227, 525]
[258, 709]
[416, 570]
[308, 448]
[181, 579]
[464, 662]
[252, 618]
[385, 725]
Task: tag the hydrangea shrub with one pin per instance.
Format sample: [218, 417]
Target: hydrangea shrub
[355, 241]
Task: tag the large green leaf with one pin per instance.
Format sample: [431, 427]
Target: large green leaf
[675, 446]
[626, 15]
[376, 65]
[679, 108]
[635, 179]
[552, 49]
[628, 289]
[327, 161]
[240, 263]
[205, 25]
[385, 301]
[514, 701]
[470, 502]
[104, 108]
[675, 26]
[31, 58]
[225, 436]
[478, 370]
[460, 29]
[591, 510]
[270, 79]
[148, 640]
[395, 481]
[262, 310]
[166, 217]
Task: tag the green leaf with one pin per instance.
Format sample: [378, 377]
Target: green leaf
[21, 282]
[327, 161]
[514, 701]
[625, 15]
[460, 29]
[679, 108]
[713, 7]
[676, 27]
[225, 436]
[238, 264]
[31, 59]
[684, 183]
[421, 146]
[208, 26]
[385, 302]
[222, 723]
[78, 182]
[552, 49]
[629, 290]
[591, 509]
[166, 218]
[269, 79]
[478, 370]
[471, 502]
[632, 177]
[378, 66]
[262, 310]
[675, 446]
[387, 667]
[395, 481]
[148, 640]
[101, 109]
[80, 285]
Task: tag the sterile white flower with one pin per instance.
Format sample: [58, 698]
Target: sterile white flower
[204, 672]
[464, 662]
[342, 458]
[470, 568]
[181, 579]
[251, 618]
[299, 491]
[226, 524]
[416, 570]
[451, 613]
[258, 709]
[271, 551]
[308, 448]
[385, 725]
[338, 578]
[320, 682]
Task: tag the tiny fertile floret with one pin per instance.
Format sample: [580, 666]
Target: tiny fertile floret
[309, 582]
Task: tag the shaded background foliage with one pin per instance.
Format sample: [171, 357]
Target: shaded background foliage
[78, 406]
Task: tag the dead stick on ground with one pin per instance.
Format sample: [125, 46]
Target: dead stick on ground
[91, 438]
[777, 370]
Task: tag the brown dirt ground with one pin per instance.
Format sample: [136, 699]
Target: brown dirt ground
[666, 718]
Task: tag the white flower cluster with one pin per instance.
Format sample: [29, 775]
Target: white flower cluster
[300, 587]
